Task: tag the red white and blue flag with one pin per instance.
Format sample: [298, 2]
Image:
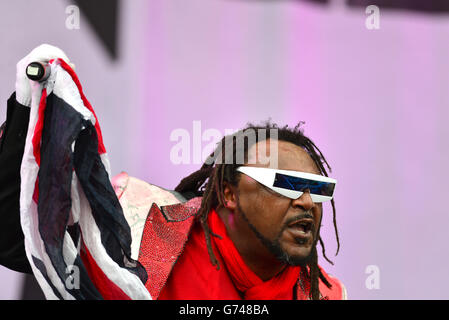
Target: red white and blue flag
[77, 239]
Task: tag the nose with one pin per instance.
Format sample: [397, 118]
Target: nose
[304, 201]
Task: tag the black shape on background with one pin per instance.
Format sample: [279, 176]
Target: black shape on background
[103, 16]
[430, 6]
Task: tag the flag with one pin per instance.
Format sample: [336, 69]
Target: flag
[77, 239]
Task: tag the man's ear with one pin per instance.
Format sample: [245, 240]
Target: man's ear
[230, 196]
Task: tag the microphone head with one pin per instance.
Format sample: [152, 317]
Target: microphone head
[38, 71]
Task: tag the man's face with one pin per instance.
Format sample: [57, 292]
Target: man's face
[287, 228]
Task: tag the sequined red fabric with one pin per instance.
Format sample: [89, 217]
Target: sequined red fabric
[165, 234]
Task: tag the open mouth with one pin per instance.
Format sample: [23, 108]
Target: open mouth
[302, 229]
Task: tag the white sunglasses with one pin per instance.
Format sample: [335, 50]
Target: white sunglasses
[292, 184]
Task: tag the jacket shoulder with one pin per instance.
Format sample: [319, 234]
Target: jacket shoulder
[160, 222]
[123, 183]
[136, 198]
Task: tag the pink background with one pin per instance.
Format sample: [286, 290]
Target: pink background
[374, 101]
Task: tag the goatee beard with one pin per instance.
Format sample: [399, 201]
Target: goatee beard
[274, 246]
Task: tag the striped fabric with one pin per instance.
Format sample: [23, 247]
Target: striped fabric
[77, 239]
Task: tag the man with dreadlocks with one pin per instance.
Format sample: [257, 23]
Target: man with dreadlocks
[240, 227]
[262, 243]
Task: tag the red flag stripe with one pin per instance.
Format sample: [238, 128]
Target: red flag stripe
[108, 289]
[66, 67]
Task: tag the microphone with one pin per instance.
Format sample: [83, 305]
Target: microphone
[38, 71]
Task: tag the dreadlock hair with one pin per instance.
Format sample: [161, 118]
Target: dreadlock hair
[208, 182]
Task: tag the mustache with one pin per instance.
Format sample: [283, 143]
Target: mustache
[304, 215]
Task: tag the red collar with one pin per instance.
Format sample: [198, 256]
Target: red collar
[246, 281]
